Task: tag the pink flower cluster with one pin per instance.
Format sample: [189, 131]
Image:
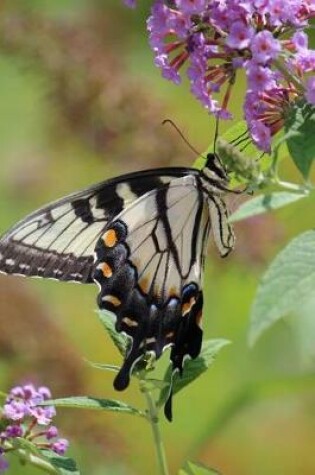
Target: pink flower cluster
[23, 417]
[218, 38]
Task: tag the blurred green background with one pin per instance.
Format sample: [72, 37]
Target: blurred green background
[81, 101]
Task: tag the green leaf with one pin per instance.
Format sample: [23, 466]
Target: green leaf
[264, 203]
[192, 369]
[288, 282]
[231, 134]
[120, 341]
[104, 367]
[236, 133]
[200, 162]
[28, 446]
[64, 465]
[151, 384]
[300, 137]
[192, 468]
[88, 402]
[302, 324]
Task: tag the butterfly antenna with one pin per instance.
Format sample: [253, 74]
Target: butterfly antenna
[169, 121]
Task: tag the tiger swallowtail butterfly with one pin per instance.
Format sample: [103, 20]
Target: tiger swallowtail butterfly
[142, 238]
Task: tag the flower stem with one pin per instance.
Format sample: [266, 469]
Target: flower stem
[42, 464]
[153, 418]
[288, 76]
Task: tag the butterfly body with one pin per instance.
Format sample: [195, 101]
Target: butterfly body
[142, 238]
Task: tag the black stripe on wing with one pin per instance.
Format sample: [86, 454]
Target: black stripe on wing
[58, 240]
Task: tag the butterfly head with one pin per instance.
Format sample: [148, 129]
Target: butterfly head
[215, 170]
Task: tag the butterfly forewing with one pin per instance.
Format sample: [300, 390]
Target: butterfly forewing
[58, 241]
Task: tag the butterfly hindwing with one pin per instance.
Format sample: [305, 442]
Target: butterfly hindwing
[58, 241]
[149, 269]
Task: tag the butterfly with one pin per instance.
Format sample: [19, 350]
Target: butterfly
[142, 238]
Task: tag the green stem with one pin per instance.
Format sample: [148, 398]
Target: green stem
[294, 187]
[288, 76]
[153, 417]
[305, 188]
[27, 457]
[42, 464]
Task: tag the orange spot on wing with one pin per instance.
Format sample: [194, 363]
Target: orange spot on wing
[110, 238]
[199, 319]
[173, 291]
[186, 307]
[130, 322]
[115, 301]
[144, 284]
[107, 270]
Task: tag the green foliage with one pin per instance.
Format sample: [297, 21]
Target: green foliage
[241, 165]
[288, 282]
[104, 367]
[27, 446]
[192, 368]
[192, 468]
[264, 203]
[151, 384]
[63, 465]
[230, 147]
[47, 460]
[119, 340]
[88, 402]
[299, 127]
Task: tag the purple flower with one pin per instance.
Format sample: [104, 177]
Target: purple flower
[43, 415]
[310, 90]
[17, 391]
[300, 40]
[30, 393]
[168, 71]
[266, 110]
[264, 47]
[60, 446]
[44, 392]
[3, 464]
[240, 35]
[200, 86]
[283, 11]
[191, 7]
[261, 135]
[130, 3]
[51, 433]
[23, 417]
[216, 38]
[304, 60]
[13, 431]
[15, 410]
[260, 78]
